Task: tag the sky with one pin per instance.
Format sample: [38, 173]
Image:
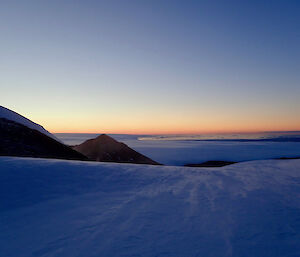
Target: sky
[156, 67]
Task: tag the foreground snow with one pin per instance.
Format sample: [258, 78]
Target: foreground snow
[68, 208]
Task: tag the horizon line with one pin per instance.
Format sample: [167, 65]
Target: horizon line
[180, 133]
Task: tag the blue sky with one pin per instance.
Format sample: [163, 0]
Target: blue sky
[152, 66]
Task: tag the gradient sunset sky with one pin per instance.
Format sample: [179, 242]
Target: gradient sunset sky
[152, 66]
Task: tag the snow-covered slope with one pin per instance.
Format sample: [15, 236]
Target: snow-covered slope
[13, 116]
[71, 208]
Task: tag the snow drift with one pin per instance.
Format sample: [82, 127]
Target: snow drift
[70, 208]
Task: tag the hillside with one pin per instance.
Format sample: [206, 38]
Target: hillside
[106, 149]
[13, 116]
[85, 209]
[19, 140]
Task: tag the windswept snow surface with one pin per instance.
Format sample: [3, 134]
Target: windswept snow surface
[71, 208]
[13, 116]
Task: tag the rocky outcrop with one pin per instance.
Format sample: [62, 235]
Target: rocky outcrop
[106, 149]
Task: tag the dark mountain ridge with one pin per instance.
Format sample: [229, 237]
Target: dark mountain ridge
[19, 140]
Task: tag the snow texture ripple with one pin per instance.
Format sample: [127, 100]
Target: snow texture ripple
[55, 208]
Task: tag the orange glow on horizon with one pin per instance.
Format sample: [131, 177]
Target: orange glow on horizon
[170, 132]
[170, 128]
[171, 123]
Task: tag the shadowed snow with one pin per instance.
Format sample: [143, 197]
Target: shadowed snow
[72, 208]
